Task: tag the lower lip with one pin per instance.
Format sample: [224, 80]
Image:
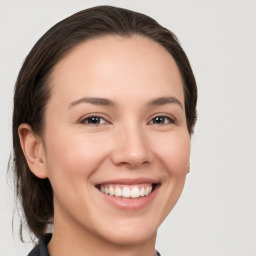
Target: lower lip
[130, 203]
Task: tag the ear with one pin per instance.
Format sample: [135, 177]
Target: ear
[33, 150]
[188, 170]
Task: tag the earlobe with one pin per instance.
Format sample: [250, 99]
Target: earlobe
[33, 150]
[188, 170]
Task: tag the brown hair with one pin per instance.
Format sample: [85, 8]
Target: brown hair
[32, 89]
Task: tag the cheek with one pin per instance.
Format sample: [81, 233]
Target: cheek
[174, 152]
[74, 157]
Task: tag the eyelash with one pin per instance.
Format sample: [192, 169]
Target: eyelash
[163, 117]
[85, 120]
[98, 120]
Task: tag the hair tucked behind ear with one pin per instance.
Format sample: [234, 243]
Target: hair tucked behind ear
[32, 89]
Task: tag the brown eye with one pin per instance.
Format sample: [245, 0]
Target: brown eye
[93, 120]
[161, 120]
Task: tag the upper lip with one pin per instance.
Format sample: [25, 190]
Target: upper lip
[129, 181]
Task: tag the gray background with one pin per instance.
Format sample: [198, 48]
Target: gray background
[216, 214]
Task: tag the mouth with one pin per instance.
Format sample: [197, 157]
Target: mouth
[129, 194]
[125, 191]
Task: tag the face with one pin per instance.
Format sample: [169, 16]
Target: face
[116, 142]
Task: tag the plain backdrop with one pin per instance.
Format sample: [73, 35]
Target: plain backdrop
[216, 214]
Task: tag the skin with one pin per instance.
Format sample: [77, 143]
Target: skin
[127, 143]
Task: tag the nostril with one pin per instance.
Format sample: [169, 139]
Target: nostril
[133, 164]
[132, 150]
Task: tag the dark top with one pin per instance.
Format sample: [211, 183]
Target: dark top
[41, 248]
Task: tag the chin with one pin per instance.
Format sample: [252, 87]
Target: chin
[132, 237]
[131, 233]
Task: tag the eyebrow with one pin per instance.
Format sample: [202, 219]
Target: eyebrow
[107, 102]
[94, 101]
[165, 100]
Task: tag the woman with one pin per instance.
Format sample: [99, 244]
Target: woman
[104, 109]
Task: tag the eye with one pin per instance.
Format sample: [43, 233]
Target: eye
[93, 120]
[161, 120]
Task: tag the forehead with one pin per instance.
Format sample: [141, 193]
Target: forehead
[111, 63]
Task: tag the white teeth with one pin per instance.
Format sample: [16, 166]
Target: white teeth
[111, 191]
[118, 191]
[142, 192]
[135, 192]
[127, 192]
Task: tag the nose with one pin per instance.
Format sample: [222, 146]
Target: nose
[131, 148]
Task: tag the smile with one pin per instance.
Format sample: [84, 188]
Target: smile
[127, 191]
[129, 194]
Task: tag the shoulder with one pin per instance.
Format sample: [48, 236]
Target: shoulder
[41, 248]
